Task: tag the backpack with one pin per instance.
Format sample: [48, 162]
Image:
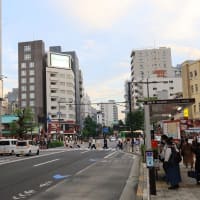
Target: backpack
[175, 156]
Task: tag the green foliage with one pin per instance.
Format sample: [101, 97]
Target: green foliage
[135, 120]
[55, 143]
[89, 129]
[23, 124]
[121, 123]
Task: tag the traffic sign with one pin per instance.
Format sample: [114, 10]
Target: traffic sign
[170, 101]
[105, 130]
[149, 159]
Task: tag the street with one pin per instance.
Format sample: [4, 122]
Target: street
[65, 174]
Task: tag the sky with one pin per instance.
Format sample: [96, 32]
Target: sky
[103, 33]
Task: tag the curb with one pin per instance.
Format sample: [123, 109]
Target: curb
[142, 190]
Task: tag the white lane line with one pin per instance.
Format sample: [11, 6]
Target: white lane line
[109, 155]
[85, 151]
[44, 163]
[84, 169]
[34, 157]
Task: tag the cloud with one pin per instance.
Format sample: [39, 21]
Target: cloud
[89, 45]
[95, 14]
[109, 89]
[178, 19]
[189, 53]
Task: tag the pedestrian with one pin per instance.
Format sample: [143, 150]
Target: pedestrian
[120, 144]
[196, 150]
[93, 144]
[90, 143]
[187, 153]
[163, 147]
[105, 145]
[172, 166]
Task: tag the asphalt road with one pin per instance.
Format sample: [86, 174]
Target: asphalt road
[64, 174]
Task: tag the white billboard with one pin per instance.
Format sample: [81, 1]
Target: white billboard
[60, 60]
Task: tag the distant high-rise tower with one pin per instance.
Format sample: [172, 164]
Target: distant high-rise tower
[147, 63]
[60, 87]
[109, 113]
[77, 77]
[31, 68]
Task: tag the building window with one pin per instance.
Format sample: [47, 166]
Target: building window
[62, 91]
[195, 72]
[191, 75]
[32, 95]
[31, 72]
[171, 88]
[23, 88]
[53, 99]
[23, 95]
[23, 80]
[27, 48]
[23, 103]
[31, 80]
[53, 107]
[31, 64]
[32, 103]
[194, 108]
[53, 91]
[53, 83]
[196, 87]
[32, 88]
[53, 75]
[23, 65]
[154, 88]
[192, 89]
[23, 73]
[27, 56]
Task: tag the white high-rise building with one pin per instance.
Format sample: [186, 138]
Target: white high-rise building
[153, 65]
[109, 113]
[60, 87]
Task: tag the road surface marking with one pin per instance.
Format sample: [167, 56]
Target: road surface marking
[44, 163]
[84, 169]
[34, 157]
[85, 151]
[109, 155]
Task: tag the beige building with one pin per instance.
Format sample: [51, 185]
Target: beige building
[191, 85]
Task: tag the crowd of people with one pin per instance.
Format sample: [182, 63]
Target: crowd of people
[189, 153]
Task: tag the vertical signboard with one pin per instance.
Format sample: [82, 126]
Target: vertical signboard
[149, 159]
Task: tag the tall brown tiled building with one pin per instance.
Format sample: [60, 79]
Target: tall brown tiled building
[31, 75]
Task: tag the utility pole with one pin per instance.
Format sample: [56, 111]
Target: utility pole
[151, 171]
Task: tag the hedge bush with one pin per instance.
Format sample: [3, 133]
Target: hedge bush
[55, 143]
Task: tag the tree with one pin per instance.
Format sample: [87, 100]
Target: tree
[24, 123]
[90, 126]
[135, 120]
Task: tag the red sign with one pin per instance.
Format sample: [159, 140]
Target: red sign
[154, 144]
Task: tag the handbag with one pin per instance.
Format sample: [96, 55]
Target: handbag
[191, 174]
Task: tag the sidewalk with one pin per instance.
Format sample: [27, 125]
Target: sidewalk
[188, 189]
